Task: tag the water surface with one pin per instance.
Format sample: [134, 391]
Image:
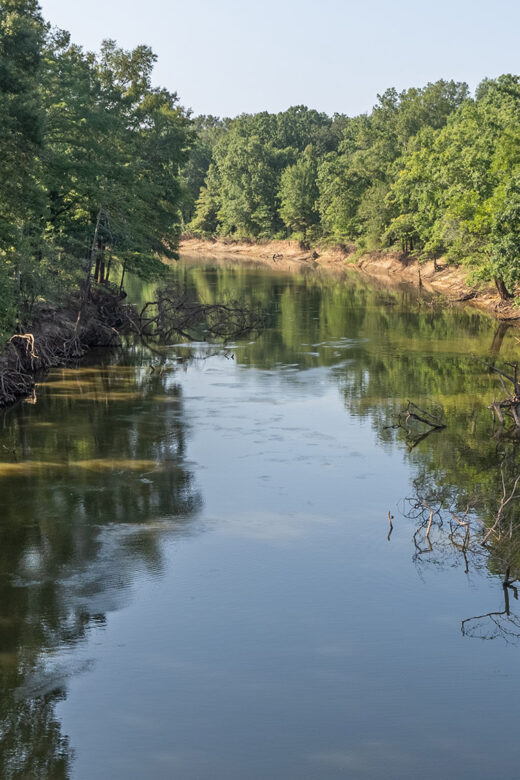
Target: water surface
[195, 571]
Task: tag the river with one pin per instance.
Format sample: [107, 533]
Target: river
[197, 574]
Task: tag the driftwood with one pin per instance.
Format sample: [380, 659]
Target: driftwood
[390, 524]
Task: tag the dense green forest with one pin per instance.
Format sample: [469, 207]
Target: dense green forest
[432, 171]
[90, 154]
[100, 167]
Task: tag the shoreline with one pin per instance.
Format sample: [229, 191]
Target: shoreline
[394, 268]
[55, 338]
[58, 336]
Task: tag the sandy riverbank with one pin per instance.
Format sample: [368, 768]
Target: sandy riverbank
[449, 281]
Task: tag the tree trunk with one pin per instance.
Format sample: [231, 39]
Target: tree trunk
[91, 258]
[101, 263]
[121, 289]
[504, 293]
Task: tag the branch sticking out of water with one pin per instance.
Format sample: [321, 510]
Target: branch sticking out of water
[390, 518]
[412, 414]
[508, 407]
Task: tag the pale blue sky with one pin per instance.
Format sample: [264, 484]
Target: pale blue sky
[224, 56]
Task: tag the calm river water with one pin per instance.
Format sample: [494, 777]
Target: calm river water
[195, 571]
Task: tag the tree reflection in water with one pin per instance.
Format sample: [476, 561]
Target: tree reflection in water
[92, 479]
[483, 535]
[504, 624]
[94, 475]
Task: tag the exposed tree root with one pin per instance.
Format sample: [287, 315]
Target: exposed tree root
[56, 338]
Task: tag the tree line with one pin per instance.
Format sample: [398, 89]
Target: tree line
[90, 154]
[100, 167]
[433, 171]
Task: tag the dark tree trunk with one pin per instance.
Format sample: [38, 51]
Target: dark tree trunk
[504, 293]
[121, 288]
[91, 259]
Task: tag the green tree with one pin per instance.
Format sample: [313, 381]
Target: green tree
[207, 130]
[21, 42]
[504, 265]
[299, 193]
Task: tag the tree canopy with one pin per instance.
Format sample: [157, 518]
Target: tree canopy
[91, 155]
[431, 170]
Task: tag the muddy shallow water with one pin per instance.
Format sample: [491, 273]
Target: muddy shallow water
[197, 578]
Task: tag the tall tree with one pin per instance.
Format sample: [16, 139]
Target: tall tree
[22, 33]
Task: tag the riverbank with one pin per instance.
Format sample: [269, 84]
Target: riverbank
[395, 268]
[57, 337]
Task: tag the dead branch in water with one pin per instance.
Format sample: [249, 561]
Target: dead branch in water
[444, 529]
[507, 496]
[61, 337]
[508, 407]
[502, 623]
[444, 535]
[174, 313]
[391, 525]
[414, 414]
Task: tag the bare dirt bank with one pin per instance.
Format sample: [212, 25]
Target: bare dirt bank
[281, 255]
[394, 268]
[57, 337]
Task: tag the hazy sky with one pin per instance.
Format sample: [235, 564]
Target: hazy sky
[225, 57]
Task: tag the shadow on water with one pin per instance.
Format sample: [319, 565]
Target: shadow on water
[92, 479]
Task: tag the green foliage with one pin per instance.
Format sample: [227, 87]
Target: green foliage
[430, 170]
[355, 180]
[454, 183]
[91, 155]
[99, 166]
[243, 194]
[207, 130]
[504, 263]
[299, 193]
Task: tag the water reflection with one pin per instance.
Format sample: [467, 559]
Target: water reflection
[504, 623]
[91, 480]
[94, 477]
[384, 348]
